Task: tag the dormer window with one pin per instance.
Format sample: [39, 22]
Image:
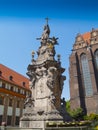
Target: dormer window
[11, 78]
[0, 73]
[24, 84]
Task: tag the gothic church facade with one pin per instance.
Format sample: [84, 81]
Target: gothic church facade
[84, 72]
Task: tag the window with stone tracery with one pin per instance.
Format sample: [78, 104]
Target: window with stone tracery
[96, 66]
[96, 59]
[86, 75]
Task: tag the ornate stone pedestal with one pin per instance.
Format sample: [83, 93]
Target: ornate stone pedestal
[46, 82]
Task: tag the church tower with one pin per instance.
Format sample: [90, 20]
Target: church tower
[46, 83]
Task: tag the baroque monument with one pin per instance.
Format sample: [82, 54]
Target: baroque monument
[46, 83]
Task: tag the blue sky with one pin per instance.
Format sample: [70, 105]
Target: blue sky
[22, 21]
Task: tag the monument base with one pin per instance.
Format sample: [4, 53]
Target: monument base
[39, 120]
[33, 124]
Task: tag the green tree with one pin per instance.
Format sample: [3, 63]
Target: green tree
[76, 114]
[68, 106]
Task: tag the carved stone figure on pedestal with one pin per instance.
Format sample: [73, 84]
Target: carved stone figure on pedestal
[45, 34]
[52, 73]
[52, 101]
[46, 83]
[29, 103]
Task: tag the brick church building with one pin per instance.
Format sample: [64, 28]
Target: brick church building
[84, 72]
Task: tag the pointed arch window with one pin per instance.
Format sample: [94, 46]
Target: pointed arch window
[96, 59]
[86, 75]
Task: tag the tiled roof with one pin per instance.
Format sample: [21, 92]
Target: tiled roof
[17, 79]
[86, 37]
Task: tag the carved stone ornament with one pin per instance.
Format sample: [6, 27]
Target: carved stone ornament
[46, 83]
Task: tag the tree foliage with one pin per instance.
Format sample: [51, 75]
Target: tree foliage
[76, 114]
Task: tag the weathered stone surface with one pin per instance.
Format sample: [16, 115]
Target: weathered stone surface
[46, 82]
